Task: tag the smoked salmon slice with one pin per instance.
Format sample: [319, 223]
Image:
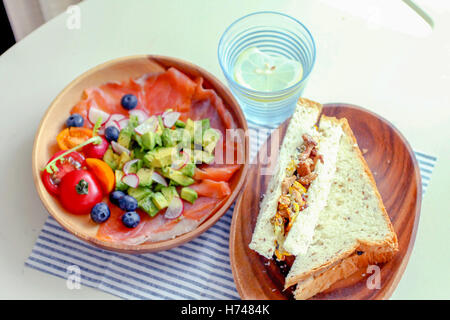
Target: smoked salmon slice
[157, 92]
[216, 173]
[211, 188]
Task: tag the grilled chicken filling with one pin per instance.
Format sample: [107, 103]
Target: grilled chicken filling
[293, 197]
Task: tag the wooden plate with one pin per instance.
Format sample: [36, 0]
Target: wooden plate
[118, 70]
[397, 175]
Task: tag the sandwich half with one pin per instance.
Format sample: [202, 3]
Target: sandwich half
[299, 188]
[352, 231]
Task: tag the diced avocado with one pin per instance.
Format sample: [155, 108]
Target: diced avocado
[160, 127]
[133, 122]
[160, 157]
[169, 193]
[190, 128]
[169, 137]
[138, 153]
[146, 204]
[124, 158]
[125, 137]
[198, 132]
[184, 138]
[149, 140]
[158, 140]
[139, 193]
[205, 124]
[111, 158]
[119, 184]
[145, 177]
[210, 139]
[189, 194]
[188, 170]
[159, 200]
[177, 177]
[203, 156]
[138, 140]
[180, 124]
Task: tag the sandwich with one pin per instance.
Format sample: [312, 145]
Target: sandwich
[352, 232]
[342, 224]
[299, 188]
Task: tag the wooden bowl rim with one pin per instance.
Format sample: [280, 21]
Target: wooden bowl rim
[392, 284]
[151, 246]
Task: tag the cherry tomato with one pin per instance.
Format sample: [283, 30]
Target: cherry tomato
[73, 136]
[79, 192]
[70, 162]
[96, 150]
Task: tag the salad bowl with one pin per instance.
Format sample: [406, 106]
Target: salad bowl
[122, 69]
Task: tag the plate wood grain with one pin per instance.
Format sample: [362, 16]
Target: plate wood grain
[118, 70]
[397, 176]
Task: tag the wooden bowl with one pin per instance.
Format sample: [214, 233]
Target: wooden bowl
[397, 175]
[118, 70]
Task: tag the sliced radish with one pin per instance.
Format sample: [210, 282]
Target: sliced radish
[180, 163]
[128, 164]
[117, 148]
[151, 124]
[166, 112]
[131, 180]
[123, 123]
[141, 115]
[159, 179]
[175, 208]
[170, 118]
[113, 120]
[94, 114]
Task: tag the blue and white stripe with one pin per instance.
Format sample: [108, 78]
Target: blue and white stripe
[200, 269]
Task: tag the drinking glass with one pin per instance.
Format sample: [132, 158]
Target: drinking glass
[275, 34]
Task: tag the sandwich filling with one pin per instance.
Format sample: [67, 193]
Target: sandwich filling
[294, 190]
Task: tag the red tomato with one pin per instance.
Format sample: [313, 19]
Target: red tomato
[79, 192]
[96, 150]
[70, 162]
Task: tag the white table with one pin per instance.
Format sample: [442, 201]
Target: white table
[392, 66]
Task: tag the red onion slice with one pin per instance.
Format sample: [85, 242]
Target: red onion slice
[159, 179]
[117, 148]
[128, 164]
[131, 180]
[170, 118]
[175, 208]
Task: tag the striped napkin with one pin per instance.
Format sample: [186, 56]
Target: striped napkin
[199, 269]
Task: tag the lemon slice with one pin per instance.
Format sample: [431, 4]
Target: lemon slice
[259, 71]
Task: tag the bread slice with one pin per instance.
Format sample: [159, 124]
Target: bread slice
[302, 122]
[302, 231]
[353, 230]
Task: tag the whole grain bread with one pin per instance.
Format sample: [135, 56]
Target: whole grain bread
[353, 230]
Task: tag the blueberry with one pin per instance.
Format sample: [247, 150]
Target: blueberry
[112, 133]
[75, 120]
[100, 212]
[128, 203]
[131, 219]
[115, 196]
[129, 101]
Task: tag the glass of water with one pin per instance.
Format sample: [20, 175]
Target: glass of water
[266, 58]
